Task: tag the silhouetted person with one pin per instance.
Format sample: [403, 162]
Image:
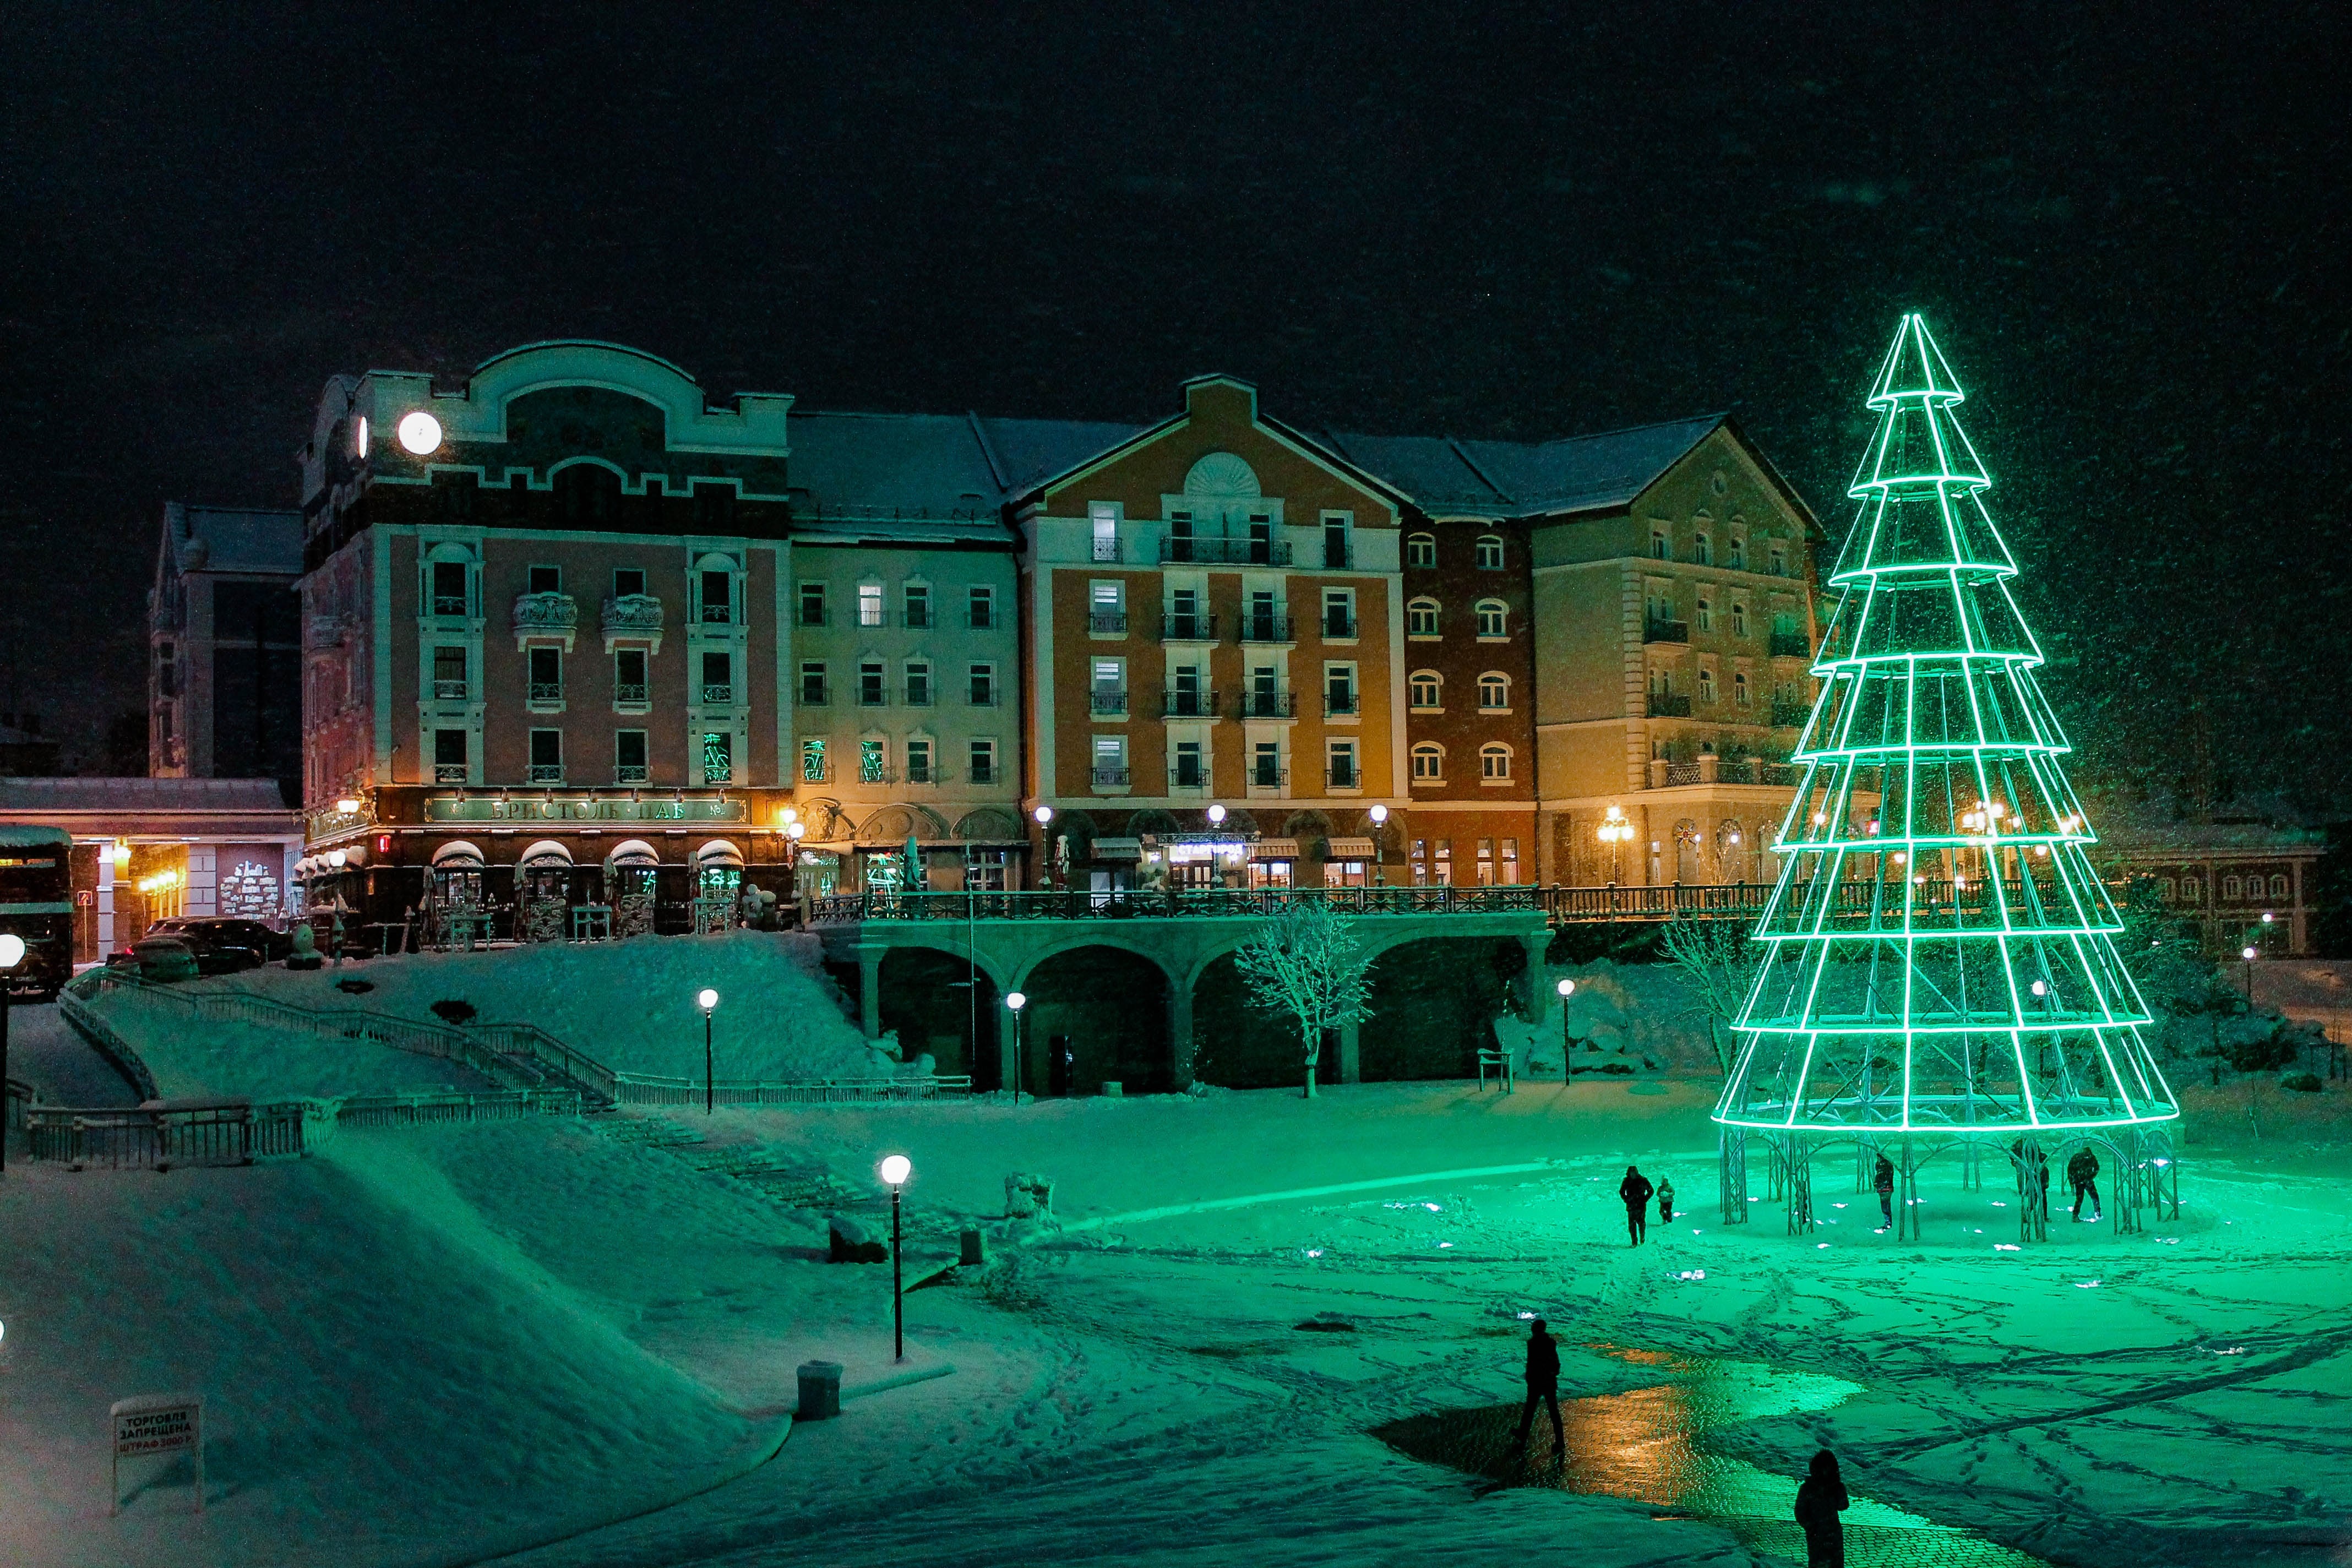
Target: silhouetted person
[2083, 1174]
[1882, 1181]
[1820, 1500]
[1061, 1067]
[1636, 1190]
[1543, 1382]
[1665, 1200]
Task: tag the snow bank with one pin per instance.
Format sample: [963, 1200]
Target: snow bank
[629, 1005]
[1631, 1012]
[191, 1056]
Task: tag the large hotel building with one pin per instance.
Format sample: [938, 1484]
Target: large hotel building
[576, 633]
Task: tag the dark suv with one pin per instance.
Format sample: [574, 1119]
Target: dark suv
[226, 943]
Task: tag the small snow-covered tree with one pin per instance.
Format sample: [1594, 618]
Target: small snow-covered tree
[1305, 962]
[1720, 962]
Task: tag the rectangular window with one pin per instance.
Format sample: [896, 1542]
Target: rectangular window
[1261, 539]
[1338, 612]
[547, 756]
[629, 756]
[629, 684]
[919, 605]
[1187, 772]
[1110, 761]
[1485, 862]
[449, 594]
[1706, 684]
[1185, 621]
[1339, 690]
[813, 604]
[813, 766]
[1738, 556]
[984, 685]
[1343, 765]
[872, 762]
[1106, 530]
[982, 616]
[1334, 543]
[1509, 872]
[1444, 870]
[918, 761]
[1420, 861]
[449, 756]
[547, 579]
[1180, 536]
[984, 761]
[869, 604]
[449, 683]
[1265, 764]
[629, 582]
[718, 756]
[870, 679]
[1107, 607]
[919, 684]
[1108, 693]
[547, 675]
[814, 693]
[167, 671]
[718, 677]
[718, 598]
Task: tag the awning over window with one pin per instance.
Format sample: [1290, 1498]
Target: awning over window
[1352, 849]
[458, 856]
[1275, 849]
[547, 851]
[719, 852]
[633, 852]
[1118, 848]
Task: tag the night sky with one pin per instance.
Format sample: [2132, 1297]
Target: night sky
[2127, 225]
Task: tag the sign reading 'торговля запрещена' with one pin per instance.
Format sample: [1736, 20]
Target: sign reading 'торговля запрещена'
[154, 1424]
[538, 808]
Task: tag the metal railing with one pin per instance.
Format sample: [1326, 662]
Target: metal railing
[545, 773]
[1188, 628]
[450, 690]
[717, 614]
[452, 605]
[874, 696]
[645, 1089]
[547, 692]
[1221, 552]
[1111, 778]
[230, 1133]
[1101, 701]
[1338, 625]
[918, 694]
[1667, 705]
[1340, 705]
[816, 694]
[1792, 645]
[1657, 629]
[634, 693]
[1266, 629]
[1081, 904]
[982, 695]
[919, 618]
[1269, 704]
[1111, 623]
[713, 692]
[631, 772]
[1195, 704]
[449, 773]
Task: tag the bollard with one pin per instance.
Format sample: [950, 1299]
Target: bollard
[820, 1391]
[973, 1256]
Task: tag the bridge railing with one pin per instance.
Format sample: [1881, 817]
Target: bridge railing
[1150, 904]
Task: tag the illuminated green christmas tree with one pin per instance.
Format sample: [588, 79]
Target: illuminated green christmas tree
[1940, 969]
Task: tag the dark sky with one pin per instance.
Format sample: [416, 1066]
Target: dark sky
[2127, 224]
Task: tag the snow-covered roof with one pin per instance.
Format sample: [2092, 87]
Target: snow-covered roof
[120, 794]
[233, 539]
[931, 474]
[1518, 479]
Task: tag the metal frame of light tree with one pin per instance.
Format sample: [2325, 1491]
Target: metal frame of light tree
[1940, 969]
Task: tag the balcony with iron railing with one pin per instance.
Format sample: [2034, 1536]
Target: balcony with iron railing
[1338, 627]
[546, 772]
[449, 773]
[1245, 904]
[1111, 778]
[1193, 777]
[1107, 700]
[1669, 705]
[982, 695]
[1188, 628]
[452, 606]
[980, 620]
[719, 615]
[1268, 629]
[1708, 768]
[1222, 551]
[451, 691]
[631, 772]
[816, 694]
[1658, 629]
[1343, 776]
[718, 693]
[919, 618]
[873, 694]
[1188, 704]
[1341, 705]
[1106, 623]
[1788, 715]
[1269, 705]
[633, 615]
[546, 693]
[1792, 645]
[1262, 775]
[918, 694]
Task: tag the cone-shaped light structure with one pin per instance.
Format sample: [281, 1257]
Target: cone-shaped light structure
[1940, 956]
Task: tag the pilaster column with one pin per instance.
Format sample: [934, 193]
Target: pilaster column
[1180, 1031]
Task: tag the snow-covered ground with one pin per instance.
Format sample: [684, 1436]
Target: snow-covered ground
[424, 1345]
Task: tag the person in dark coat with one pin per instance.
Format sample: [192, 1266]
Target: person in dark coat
[1882, 1181]
[2083, 1174]
[1665, 1200]
[1543, 1382]
[1820, 1500]
[1636, 1190]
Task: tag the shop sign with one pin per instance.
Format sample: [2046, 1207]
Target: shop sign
[490, 808]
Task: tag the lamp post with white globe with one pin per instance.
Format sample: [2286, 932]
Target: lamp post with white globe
[12, 953]
[1379, 845]
[1566, 989]
[1015, 1001]
[707, 1000]
[894, 1169]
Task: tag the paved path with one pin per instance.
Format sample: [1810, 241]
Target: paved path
[44, 1051]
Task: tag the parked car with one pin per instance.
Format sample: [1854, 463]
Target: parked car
[226, 943]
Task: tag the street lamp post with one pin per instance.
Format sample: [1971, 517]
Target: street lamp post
[1016, 1001]
[1379, 845]
[1566, 989]
[708, 1000]
[1045, 816]
[896, 1169]
[12, 953]
[1613, 831]
[2247, 953]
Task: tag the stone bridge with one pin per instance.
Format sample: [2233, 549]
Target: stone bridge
[1007, 936]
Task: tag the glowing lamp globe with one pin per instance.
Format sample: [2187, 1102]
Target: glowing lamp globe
[1380, 813]
[2248, 954]
[1016, 1001]
[1217, 814]
[348, 805]
[337, 857]
[12, 950]
[705, 999]
[795, 830]
[896, 1169]
[1044, 814]
[420, 432]
[1567, 988]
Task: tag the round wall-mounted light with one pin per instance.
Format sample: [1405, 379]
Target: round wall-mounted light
[795, 830]
[420, 432]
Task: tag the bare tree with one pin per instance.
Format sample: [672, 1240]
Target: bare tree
[1719, 959]
[1305, 962]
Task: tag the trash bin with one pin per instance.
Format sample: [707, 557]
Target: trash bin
[820, 1391]
[973, 1255]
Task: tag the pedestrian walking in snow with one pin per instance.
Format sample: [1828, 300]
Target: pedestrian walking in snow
[1665, 1200]
[1636, 1190]
[2083, 1174]
[1882, 1181]
[1820, 1500]
[1543, 1382]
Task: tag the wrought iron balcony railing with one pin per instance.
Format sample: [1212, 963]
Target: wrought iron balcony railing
[1659, 630]
[1663, 705]
[1268, 629]
[545, 614]
[546, 772]
[1221, 552]
[1102, 700]
[1189, 704]
[631, 616]
[1792, 645]
[547, 692]
[1110, 623]
[1269, 705]
[1188, 628]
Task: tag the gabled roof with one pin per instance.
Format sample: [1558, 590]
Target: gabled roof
[1447, 478]
[232, 539]
[929, 475]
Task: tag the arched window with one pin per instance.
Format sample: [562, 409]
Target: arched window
[2231, 888]
[1494, 618]
[1739, 688]
[1736, 553]
[1428, 763]
[1420, 618]
[1494, 692]
[1706, 614]
[1490, 552]
[2278, 886]
[1495, 762]
[1739, 619]
[2191, 890]
[1428, 690]
[1660, 547]
[1701, 550]
[1421, 550]
[1706, 684]
[2165, 889]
